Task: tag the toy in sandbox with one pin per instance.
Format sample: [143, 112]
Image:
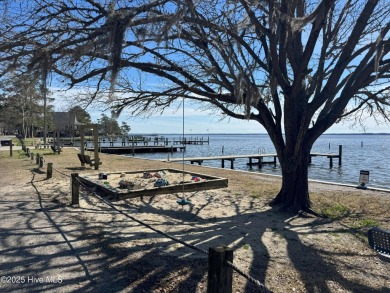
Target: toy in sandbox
[121, 185]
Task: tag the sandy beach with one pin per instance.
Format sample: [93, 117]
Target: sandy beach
[47, 245]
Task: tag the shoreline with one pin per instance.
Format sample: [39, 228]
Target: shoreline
[320, 174]
[372, 188]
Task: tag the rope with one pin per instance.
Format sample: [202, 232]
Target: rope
[58, 171]
[255, 282]
[63, 235]
[63, 174]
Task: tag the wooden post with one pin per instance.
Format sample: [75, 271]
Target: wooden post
[75, 188]
[32, 156]
[41, 162]
[10, 147]
[96, 145]
[223, 163]
[58, 142]
[220, 275]
[82, 141]
[340, 153]
[330, 162]
[37, 159]
[49, 171]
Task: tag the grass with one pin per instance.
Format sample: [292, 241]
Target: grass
[336, 211]
[365, 223]
[18, 154]
[30, 141]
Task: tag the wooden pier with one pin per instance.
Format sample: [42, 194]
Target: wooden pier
[157, 141]
[138, 149]
[231, 159]
[197, 140]
[259, 157]
[330, 156]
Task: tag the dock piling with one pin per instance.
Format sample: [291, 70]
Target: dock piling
[340, 153]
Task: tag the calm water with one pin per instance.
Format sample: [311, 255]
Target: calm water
[360, 152]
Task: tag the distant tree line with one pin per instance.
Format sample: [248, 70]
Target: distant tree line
[21, 108]
[109, 126]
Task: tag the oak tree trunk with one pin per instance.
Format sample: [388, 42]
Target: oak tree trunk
[294, 193]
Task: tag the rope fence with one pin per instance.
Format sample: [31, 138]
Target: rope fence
[220, 258]
[219, 280]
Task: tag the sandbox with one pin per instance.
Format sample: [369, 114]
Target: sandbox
[121, 185]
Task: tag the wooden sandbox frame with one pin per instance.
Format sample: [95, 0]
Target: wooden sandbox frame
[212, 182]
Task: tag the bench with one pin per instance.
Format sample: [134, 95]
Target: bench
[379, 240]
[85, 159]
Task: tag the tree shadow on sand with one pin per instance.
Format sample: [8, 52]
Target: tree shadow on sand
[184, 270]
[117, 254]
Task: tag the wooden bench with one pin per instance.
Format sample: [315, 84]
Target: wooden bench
[6, 143]
[379, 240]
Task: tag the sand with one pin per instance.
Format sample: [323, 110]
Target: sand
[48, 245]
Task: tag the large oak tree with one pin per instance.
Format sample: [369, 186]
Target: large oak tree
[294, 66]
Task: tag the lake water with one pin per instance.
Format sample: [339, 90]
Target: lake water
[360, 152]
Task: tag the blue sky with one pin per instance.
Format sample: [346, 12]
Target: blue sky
[201, 122]
[204, 122]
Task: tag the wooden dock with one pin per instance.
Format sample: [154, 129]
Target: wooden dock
[259, 157]
[157, 141]
[330, 156]
[138, 149]
[231, 159]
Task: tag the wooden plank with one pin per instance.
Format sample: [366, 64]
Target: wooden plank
[259, 157]
[230, 157]
[138, 149]
[324, 155]
[212, 183]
